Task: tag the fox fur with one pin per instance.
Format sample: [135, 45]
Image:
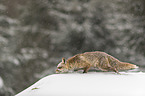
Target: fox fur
[97, 59]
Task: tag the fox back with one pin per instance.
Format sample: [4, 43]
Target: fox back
[97, 59]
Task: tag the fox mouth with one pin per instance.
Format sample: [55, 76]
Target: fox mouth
[57, 71]
[61, 71]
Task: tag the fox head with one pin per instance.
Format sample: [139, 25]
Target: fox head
[61, 67]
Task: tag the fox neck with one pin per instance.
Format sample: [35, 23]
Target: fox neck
[69, 67]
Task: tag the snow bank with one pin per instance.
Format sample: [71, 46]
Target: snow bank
[1, 83]
[89, 84]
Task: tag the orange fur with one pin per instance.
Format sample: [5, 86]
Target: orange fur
[97, 59]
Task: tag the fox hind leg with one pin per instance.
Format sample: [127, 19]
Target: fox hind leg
[104, 65]
[114, 69]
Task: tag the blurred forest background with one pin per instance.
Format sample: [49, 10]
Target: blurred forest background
[36, 34]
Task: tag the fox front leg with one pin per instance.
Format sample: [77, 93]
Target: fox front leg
[86, 69]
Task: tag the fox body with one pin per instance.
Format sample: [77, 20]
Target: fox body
[97, 59]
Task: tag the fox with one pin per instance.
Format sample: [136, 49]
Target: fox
[96, 59]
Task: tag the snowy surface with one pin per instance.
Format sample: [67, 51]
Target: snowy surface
[89, 84]
[1, 83]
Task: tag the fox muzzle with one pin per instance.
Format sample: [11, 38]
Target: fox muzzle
[57, 71]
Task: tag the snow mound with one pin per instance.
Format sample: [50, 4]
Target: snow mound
[89, 84]
[1, 83]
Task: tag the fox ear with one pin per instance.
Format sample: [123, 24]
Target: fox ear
[63, 60]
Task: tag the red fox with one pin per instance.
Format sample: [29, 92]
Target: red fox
[97, 59]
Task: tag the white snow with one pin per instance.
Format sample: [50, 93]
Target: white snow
[89, 84]
[1, 83]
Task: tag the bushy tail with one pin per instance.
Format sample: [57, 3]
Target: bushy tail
[125, 66]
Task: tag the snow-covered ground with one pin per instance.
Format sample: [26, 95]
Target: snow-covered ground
[89, 84]
[1, 83]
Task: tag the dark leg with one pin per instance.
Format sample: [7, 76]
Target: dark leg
[86, 69]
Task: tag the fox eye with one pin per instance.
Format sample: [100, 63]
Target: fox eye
[59, 67]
